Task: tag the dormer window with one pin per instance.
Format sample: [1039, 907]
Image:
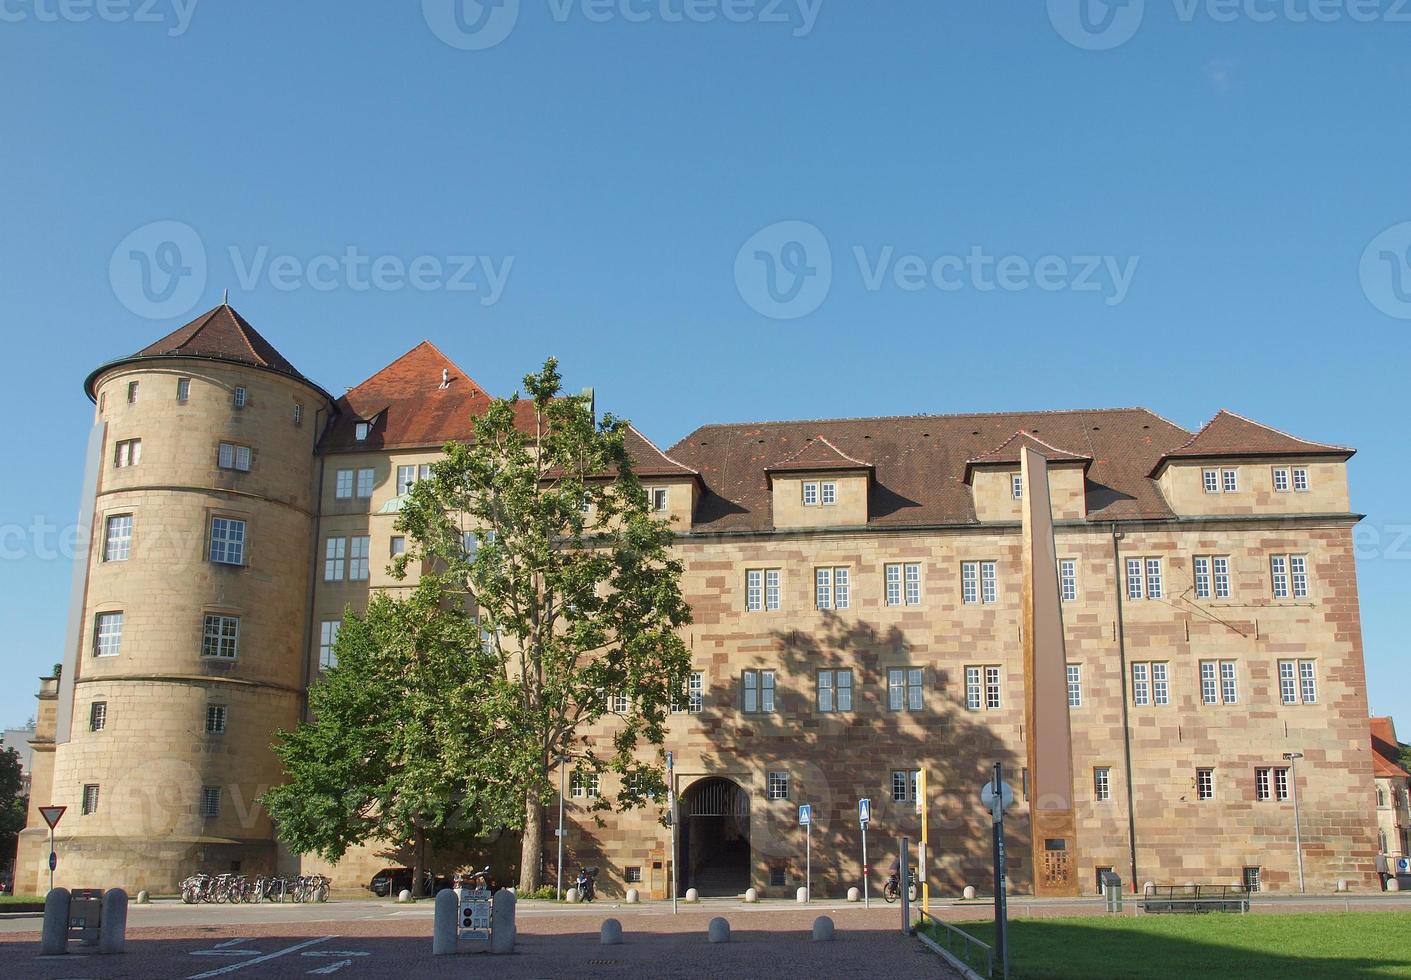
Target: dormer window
[1220, 481]
[658, 499]
[361, 430]
[828, 493]
[1016, 486]
[1300, 479]
[810, 495]
[1230, 481]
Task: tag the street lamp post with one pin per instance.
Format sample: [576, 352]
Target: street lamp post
[1293, 758]
[563, 771]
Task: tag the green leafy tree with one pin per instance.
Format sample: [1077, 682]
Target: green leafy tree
[1405, 754]
[392, 724]
[13, 804]
[540, 527]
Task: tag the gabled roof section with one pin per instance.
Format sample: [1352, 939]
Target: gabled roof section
[1386, 751]
[422, 399]
[648, 460]
[817, 454]
[919, 462]
[1008, 453]
[219, 334]
[1228, 434]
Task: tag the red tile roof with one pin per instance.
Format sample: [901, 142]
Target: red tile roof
[1386, 751]
[1228, 434]
[648, 460]
[220, 334]
[1007, 453]
[920, 462]
[817, 454]
[409, 407]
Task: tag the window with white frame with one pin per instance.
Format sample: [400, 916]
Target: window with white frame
[1281, 783]
[127, 452]
[132, 392]
[1230, 481]
[230, 456]
[778, 785]
[1016, 486]
[834, 690]
[1145, 579]
[758, 692]
[810, 494]
[367, 476]
[107, 634]
[904, 785]
[343, 485]
[982, 687]
[1212, 576]
[183, 390]
[1068, 579]
[361, 430]
[327, 637]
[1102, 783]
[90, 792]
[1075, 685]
[1289, 576]
[1218, 682]
[618, 703]
[97, 716]
[210, 801]
[762, 589]
[992, 688]
[1211, 480]
[215, 719]
[117, 538]
[695, 695]
[979, 582]
[659, 499]
[1298, 681]
[227, 541]
[1271, 783]
[1281, 479]
[359, 548]
[407, 476]
[1150, 683]
[220, 636]
[903, 580]
[1300, 479]
[335, 559]
[298, 414]
[832, 588]
[241, 396]
[591, 785]
[827, 493]
[1205, 784]
[905, 689]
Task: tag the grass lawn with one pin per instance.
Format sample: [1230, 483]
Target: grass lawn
[20, 899]
[1343, 945]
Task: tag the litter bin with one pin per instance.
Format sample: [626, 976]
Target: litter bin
[85, 915]
[1112, 891]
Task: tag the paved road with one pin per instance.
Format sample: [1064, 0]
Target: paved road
[366, 940]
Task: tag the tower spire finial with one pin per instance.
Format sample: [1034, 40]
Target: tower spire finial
[225, 297]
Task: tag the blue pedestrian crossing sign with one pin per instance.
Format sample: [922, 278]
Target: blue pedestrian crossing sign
[805, 814]
[864, 811]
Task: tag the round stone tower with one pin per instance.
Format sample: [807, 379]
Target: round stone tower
[190, 626]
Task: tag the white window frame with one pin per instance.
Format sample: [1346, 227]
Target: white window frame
[107, 633]
[1075, 685]
[1289, 577]
[777, 785]
[695, 692]
[132, 390]
[660, 500]
[97, 716]
[1281, 784]
[127, 452]
[117, 537]
[1300, 479]
[1016, 486]
[1160, 683]
[771, 590]
[233, 456]
[905, 783]
[1263, 784]
[366, 481]
[1220, 572]
[298, 414]
[970, 583]
[892, 576]
[1230, 480]
[974, 689]
[754, 590]
[834, 689]
[1210, 480]
[183, 390]
[1200, 569]
[827, 493]
[1229, 682]
[343, 485]
[89, 805]
[359, 552]
[1068, 579]
[757, 692]
[327, 637]
[1204, 784]
[362, 430]
[808, 491]
[220, 636]
[1282, 481]
[240, 397]
[1308, 681]
[906, 689]
[992, 688]
[1102, 783]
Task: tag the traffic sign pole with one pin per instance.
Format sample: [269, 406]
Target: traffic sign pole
[671, 811]
[51, 815]
[997, 802]
[808, 860]
[864, 813]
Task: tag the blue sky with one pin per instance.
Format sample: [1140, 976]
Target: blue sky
[1190, 211]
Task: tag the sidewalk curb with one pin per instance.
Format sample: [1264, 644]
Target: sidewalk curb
[964, 970]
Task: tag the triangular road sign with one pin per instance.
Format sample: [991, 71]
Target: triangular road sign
[51, 814]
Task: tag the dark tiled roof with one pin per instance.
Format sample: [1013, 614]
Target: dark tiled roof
[410, 407]
[1228, 434]
[817, 454]
[220, 334]
[1386, 754]
[1007, 453]
[648, 460]
[920, 462]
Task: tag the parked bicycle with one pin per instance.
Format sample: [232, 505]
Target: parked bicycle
[891, 891]
[235, 888]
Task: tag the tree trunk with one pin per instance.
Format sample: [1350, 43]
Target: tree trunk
[418, 864]
[531, 850]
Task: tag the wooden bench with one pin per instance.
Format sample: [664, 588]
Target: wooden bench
[1194, 898]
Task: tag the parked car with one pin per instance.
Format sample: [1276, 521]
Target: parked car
[392, 881]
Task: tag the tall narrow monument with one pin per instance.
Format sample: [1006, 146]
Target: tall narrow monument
[1047, 736]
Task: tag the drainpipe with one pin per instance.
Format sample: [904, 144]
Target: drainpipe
[1126, 722]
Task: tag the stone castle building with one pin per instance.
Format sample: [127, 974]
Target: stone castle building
[856, 590]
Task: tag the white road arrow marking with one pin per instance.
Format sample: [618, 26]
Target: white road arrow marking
[333, 967]
[260, 959]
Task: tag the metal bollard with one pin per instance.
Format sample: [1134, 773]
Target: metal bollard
[502, 927]
[445, 932]
[54, 940]
[112, 930]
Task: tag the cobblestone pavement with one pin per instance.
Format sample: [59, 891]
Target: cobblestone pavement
[768, 941]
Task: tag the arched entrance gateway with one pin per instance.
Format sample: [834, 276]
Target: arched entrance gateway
[714, 838]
